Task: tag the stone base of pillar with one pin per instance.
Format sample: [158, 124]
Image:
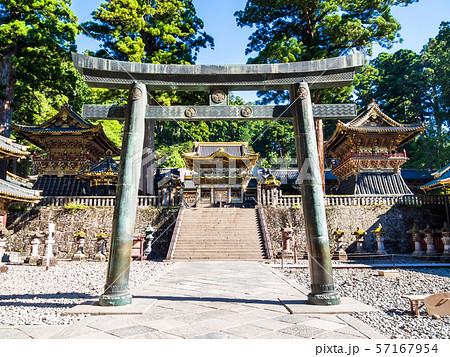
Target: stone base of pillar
[79, 257]
[43, 261]
[340, 255]
[115, 299]
[324, 299]
[99, 257]
[31, 259]
[418, 254]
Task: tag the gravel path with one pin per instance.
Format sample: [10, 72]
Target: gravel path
[30, 295]
[394, 319]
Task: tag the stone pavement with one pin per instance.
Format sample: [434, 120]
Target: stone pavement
[210, 300]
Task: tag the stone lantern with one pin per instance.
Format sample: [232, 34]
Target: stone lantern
[431, 253]
[417, 238]
[286, 237]
[340, 253]
[101, 241]
[81, 240]
[359, 238]
[445, 258]
[379, 234]
[3, 233]
[149, 230]
[35, 239]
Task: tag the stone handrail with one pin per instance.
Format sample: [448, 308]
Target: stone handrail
[269, 199]
[264, 232]
[176, 232]
[99, 201]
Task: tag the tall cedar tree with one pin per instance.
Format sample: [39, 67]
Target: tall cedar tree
[153, 31]
[33, 35]
[292, 30]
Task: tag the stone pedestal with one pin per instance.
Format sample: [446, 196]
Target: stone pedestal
[445, 258]
[2, 248]
[431, 253]
[35, 240]
[286, 237]
[100, 256]
[79, 255]
[418, 252]
[359, 239]
[380, 243]
[149, 230]
[339, 253]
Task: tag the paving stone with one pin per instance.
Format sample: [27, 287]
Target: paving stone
[190, 318]
[217, 324]
[246, 331]
[350, 331]
[271, 324]
[131, 331]
[334, 335]
[244, 318]
[215, 335]
[189, 331]
[44, 331]
[322, 324]
[361, 327]
[293, 318]
[94, 335]
[277, 335]
[13, 333]
[164, 324]
[158, 335]
[104, 323]
[302, 331]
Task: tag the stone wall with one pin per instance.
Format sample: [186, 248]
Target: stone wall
[397, 220]
[89, 220]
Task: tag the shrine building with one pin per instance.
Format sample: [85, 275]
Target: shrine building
[220, 172]
[70, 145]
[365, 149]
[14, 189]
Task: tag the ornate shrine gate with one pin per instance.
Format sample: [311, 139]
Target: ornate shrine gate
[218, 80]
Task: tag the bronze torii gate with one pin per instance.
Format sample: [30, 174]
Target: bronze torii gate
[218, 80]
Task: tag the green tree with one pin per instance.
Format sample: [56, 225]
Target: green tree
[411, 87]
[292, 30]
[35, 38]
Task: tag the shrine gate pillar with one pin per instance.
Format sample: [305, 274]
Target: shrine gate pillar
[117, 290]
[322, 285]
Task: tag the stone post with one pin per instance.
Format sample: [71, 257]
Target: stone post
[2, 248]
[431, 253]
[322, 284]
[445, 258]
[359, 238]
[417, 239]
[286, 237]
[117, 290]
[339, 253]
[149, 230]
[35, 240]
[101, 241]
[79, 255]
[379, 234]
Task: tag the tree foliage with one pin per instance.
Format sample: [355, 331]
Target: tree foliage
[36, 38]
[411, 87]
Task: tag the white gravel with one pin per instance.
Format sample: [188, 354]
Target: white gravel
[30, 295]
[394, 319]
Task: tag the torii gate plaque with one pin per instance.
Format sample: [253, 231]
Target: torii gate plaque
[218, 80]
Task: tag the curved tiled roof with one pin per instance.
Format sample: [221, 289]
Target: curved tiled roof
[107, 165]
[11, 191]
[8, 147]
[66, 122]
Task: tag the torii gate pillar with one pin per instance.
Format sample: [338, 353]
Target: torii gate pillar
[322, 285]
[117, 291]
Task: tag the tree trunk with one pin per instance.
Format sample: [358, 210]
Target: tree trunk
[8, 78]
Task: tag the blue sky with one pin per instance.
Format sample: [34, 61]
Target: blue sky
[420, 21]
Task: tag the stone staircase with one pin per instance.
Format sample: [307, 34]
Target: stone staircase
[219, 234]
